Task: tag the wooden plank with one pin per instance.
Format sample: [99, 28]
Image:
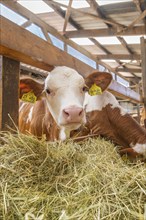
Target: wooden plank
[35, 51]
[10, 93]
[17, 55]
[67, 15]
[142, 16]
[139, 30]
[132, 69]
[125, 93]
[119, 56]
[124, 44]
[143, 64]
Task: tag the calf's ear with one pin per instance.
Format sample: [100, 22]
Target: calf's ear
[99, 81]
[31, 87]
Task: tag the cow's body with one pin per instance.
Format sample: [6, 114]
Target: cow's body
[104, 117]
[36, 119]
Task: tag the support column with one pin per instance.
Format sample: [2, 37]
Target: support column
[0, 92]
[143, 57]
[9, 89]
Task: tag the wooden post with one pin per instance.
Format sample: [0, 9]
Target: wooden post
[9, 104]
[0, 92]
[143, 57]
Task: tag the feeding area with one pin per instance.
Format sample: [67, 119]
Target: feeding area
[87, 180]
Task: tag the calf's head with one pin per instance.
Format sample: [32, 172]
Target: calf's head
[64, 90]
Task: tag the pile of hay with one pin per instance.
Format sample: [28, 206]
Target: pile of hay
[61, 181]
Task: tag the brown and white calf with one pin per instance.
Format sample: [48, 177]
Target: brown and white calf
[65, 109]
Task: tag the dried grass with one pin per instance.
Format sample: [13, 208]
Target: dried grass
[66, 180]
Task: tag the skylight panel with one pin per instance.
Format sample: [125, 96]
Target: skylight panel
[107, 2]
[36, 30]
[12, 16]
[56, 42]
[122, 81]
[36, 6]
[81, 56]
[75, 3]
[125, 61]
[108, 40]
[132, 39]
[108, 61]
[82, 41]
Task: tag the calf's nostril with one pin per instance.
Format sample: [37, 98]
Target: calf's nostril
[73, 114]
[66, 113]
[81, 112]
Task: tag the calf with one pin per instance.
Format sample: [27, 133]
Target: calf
[59, 106]
[68, 105]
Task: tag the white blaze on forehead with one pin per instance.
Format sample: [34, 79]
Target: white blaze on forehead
[63, 76]
[98, 102]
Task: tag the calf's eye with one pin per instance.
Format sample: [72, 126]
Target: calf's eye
[48, 91]
[85, 89]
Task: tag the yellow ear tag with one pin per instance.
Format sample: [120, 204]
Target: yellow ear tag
[95, 90]
[29, 97]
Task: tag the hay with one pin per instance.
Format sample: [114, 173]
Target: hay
[61, 181]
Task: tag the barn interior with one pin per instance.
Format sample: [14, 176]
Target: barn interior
[108, 35]
[62, 180]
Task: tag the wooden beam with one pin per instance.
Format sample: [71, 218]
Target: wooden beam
[119, 56]
[121, 91]
[0, 92]
[76, 25]
[124, 44]
[16, 7]
[95, 5]
[143, 56]
[132, 69]
[67, 15]
[35, 51]
[35, 19]
[61, 12]
[10, 93]
[139, 30]
[26, 24]
[137, 3]
[100, 46]
[137, 20]
[78, 11]
[13, 43]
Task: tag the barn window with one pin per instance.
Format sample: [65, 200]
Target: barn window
[56, 42]
[132, 39]
[36, 30]
[107, 2]
[36, 6]
[75, 4]
[82, 41]
[11, 15]
[108, 40]
[122, 81]
[81, 57]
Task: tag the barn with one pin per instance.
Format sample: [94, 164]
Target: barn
[81, 177]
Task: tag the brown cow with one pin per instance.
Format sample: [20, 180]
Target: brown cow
[65, 108]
